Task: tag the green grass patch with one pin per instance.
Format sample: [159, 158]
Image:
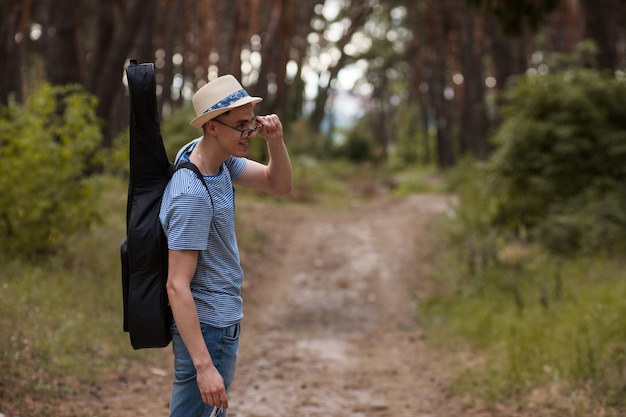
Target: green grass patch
[543, 331]
[61, 316]
[417, 179]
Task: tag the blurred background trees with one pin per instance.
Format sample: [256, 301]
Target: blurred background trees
[395, 83]
[446, 59]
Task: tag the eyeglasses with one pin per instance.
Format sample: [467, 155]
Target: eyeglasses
[245, 133]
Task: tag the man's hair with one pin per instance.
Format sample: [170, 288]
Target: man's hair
[223, 114]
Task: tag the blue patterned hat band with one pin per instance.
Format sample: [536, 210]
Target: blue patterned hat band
[237, 95]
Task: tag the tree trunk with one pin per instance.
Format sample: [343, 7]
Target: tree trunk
[240, 38]
[109, 84]
[601, 27]
[271, 51]
[281, 56]
[224, 34]
[145, 48]
[61, 51]
[205, 43]
[14, 19]
[438, 37]
[303, 14]
[509, 57]
[418, 84]
[358, 17]
[171, 38]
[104, 36]
[473, 108]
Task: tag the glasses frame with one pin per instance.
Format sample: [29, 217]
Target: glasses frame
[244, 133]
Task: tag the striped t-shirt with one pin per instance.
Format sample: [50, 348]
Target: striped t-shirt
[193, 220]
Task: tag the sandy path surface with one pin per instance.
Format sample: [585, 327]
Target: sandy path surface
[331, 330]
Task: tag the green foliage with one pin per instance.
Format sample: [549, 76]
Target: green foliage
[119, 155]
[61, 317]
[358, 147]
[410, 146]
[469, 227]
[550, 326]
[302, 140]
[416, 179]
[333, 182]
[562, 342]
[46, 147]
[561, 148]
[176, 131]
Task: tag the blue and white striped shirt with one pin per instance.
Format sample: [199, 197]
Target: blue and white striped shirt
[194, 221]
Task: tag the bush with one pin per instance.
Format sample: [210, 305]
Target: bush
[357, 148]
[176, 131]
[61, 319]
[45, 191]
[561, 147]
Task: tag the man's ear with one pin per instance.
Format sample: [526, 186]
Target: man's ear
[209, 128]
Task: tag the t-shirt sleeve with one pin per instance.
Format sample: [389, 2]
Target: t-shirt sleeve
[236, 166]
[188, 220]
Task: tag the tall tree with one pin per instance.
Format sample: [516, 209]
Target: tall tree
[515, 16]
[61, 47]
[14, 25]
[418, 86]
[298, 54]
[172, 37]
[240, 37]
[602, 17]
[224, 21]
[473, 123]
[437, 31]
[103, 36]
[108, 85]
[145, 38]
[275, 40]
[357, 15]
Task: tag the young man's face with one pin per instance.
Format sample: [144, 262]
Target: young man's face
[234, 130]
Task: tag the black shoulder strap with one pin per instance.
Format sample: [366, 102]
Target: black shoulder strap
[192, 167]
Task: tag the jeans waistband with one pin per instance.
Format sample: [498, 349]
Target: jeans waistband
[231, 331]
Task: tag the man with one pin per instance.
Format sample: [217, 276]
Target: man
[204, 274]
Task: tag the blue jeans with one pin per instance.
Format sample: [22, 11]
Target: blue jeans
[223, 344]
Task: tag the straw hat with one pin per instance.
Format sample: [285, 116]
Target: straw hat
[219, 96]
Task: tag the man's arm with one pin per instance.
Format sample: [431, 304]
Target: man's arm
[276, 176]
[182, 265]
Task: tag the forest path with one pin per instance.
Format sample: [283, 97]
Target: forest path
[330, 327]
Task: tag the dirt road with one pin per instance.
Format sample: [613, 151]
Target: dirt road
[330, 328]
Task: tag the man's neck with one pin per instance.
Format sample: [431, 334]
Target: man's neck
[209, 159]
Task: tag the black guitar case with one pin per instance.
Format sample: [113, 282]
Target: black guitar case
[147, 315]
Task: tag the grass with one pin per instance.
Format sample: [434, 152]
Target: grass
[61, 322]
[548, 334]
[417, 180]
